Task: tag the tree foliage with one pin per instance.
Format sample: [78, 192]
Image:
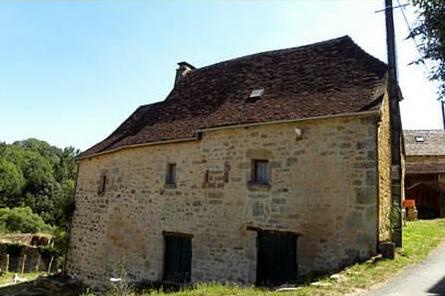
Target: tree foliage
[37, 175]
[21, 220]
[430, 30]
[11, 181]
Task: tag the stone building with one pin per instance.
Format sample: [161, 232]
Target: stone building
[252, 170]
[425, 171]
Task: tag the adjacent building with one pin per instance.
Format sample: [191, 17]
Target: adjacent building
[252, 170]
[425, 171]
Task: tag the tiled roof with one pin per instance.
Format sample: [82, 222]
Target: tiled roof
[321, 79]
[433, 142]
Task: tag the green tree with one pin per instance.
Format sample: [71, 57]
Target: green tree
[11, 182]
[47, 178]
[430, 30]
[22, 220]
[64, 203]
[38, 173]
[66, 168]
[50, 153]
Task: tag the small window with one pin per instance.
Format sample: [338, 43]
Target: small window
[206, 178]
[260, 172]
[420, 139]
[171, 174]
[226, 172]
[103, 184]
[257, 93]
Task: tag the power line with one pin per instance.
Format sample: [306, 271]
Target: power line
[393, 7]
[402, 9]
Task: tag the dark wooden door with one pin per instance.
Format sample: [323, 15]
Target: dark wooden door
[277, 258]
[178, 259]
[427, 200]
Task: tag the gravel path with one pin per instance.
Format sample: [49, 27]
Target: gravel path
[426, 278]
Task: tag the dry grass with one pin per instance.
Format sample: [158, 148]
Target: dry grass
[7, 278]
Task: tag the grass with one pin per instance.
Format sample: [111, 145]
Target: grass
[6, 278]
[419, 239]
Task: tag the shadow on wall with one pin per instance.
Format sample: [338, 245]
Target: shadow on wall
[124, 246]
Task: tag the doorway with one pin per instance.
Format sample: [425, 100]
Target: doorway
[178, 258]
[277, 258]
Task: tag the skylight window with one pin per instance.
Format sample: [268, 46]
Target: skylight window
[256, 93]
[420, 139]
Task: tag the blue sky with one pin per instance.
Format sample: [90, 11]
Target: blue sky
[72, 71]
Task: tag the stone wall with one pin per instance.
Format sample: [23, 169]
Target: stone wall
[384, 168]
[323, 186]
[14, 257]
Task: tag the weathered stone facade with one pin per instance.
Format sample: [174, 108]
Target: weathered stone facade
[324, 186]
[384, 168]
[255, 169]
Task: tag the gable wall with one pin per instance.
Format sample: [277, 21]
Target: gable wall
[323, 186]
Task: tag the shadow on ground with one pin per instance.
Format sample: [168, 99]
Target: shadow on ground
[58, 285]
[438, 288]
[45, 286]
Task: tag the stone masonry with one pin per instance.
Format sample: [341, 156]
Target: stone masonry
[384, 168]
[324, 186]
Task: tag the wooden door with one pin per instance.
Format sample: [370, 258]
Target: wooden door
[427, 200]
[277, 258]
[178, 259]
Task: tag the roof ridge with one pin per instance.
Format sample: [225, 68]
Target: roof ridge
[325, 78]
[424, 130]
[300, 47]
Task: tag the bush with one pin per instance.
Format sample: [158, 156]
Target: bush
[60, 242]
[22, 220]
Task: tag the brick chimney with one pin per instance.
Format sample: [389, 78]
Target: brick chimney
[183, 69]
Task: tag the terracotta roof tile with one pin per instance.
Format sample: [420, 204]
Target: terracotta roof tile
[325, 78]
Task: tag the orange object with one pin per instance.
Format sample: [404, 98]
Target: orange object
[409, 203]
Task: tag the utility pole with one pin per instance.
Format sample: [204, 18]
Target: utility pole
[396, 124]
[443, 113]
